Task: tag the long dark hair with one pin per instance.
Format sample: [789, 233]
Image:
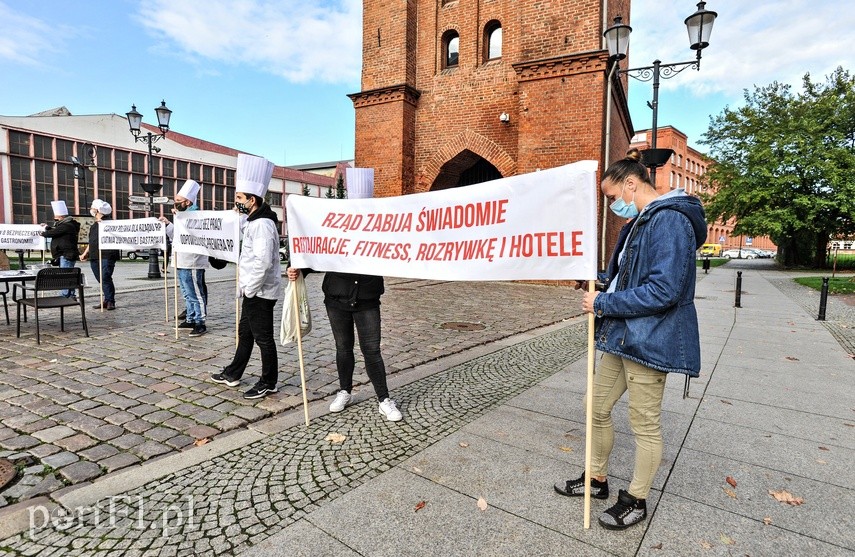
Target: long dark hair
[626, 167]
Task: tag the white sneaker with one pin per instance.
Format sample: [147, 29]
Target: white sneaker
[342, 399]
[390, 410]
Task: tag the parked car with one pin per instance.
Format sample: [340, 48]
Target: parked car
[141, 254]
[734, 253]
[710, 250]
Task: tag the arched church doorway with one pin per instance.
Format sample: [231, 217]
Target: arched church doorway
[465, 169]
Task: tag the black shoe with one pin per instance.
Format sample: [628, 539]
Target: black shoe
[198, 330]
[186, 325]
[224, 380]
[111, 306]
[627, 511]
[183, 315]
[576, 488]
[100, 306]
[259, 391]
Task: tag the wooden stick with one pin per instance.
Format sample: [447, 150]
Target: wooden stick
[100, 274]
[300, 353]
[237, 303]
[175, 291]
[589, 411]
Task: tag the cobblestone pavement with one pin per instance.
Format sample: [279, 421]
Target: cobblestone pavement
[75, 408]
[230, 502]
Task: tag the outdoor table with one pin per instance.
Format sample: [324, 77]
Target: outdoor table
[8, 277]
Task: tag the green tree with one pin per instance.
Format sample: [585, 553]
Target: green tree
[784, 165]
[306, 190]
[329, 194]
[340, 192]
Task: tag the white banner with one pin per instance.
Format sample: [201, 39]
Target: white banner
[212, 233]
[22, 236]
[132, 234]
[541, 225]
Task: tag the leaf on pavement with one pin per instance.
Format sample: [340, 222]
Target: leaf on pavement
[785, 496]
[730, 493]
[200, 442]
[727, 402]
[725, 539]
[420, 505]
[792, 358]
[482, 503]
[823, 448]
[566, 449]
[463, 444]
[417, 470]
[335, 438]
[819, 460]
[657, 546]
[767, 520]
[705, 544]
[731, 481]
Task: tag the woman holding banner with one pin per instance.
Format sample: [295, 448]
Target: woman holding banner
[102, 263]
[647, 327]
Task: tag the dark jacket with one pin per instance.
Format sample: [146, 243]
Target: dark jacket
[63, 237]
[108, 254]
[350, 292]
[650, 316]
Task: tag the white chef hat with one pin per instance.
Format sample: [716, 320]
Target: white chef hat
[96, 204]
[360, 183]
[190, 190]
[253, 174]
[59, 208]
[105, 208]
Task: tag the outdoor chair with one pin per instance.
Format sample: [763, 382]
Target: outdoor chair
[5, 293]
[51, 280]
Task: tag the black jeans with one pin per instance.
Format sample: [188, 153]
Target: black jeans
[367, 324]
[256, 325]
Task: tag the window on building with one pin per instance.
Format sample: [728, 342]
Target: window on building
[120, 202]
[103, 157]
[230, 177]
[19, 143]
[138, 162]
[64, 150]
[207, 174]
[181, 170]
[42, 147]
[450, 49]
[168, 168]
[209, 200]
[219, 176]
[22, 194]
[274, 199]
[121, 160]
[195, 172]
[104, 180]
[493, 40]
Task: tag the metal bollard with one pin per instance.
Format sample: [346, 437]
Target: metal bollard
[738, 289]
[823, 299]
[706, 265]
[21, 265]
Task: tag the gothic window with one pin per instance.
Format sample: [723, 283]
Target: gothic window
[493, 41]
[450, 49]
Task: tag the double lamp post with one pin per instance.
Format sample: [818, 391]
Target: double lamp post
[699, 25]
[151, 188]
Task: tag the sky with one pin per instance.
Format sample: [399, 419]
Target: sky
[271, 77]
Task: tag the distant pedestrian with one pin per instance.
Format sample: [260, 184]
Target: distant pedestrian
[191, 267]
[260, 278]
[63, 236]
[102, 262]
[647, 327]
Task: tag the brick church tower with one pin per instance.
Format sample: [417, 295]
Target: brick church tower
[457, 92]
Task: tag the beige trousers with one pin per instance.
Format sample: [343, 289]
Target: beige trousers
[613, 377]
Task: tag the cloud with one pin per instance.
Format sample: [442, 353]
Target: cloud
[752, 43]
[26, 40]
[297, 40]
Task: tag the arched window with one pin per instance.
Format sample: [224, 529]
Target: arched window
[450, 49]
[493, 40]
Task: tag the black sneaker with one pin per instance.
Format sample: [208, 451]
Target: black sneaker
[183, 315]
[198, 330]
[576, 488]
[259, 391]
[186, 325]
[225, 380]
[627, 511]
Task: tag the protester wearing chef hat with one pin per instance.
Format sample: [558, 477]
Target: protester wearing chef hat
[102, 262]
[191, 267]
[63, 239]
[260, 279]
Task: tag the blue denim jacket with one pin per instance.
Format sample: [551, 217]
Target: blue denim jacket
[650, 318]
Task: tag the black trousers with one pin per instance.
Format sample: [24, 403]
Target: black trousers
[367, 323]
[256, 326]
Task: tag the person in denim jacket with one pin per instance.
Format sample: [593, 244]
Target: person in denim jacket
[646, 326]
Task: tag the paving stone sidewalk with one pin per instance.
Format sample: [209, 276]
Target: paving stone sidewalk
[75, 408]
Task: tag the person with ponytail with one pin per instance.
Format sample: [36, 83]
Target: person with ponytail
[646, 327]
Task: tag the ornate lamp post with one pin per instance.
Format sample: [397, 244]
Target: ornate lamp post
[80, 175]
[699, 25]
[135, 122]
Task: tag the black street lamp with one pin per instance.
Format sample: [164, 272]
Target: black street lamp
[699, 25]
[135, 122]
[80, 175]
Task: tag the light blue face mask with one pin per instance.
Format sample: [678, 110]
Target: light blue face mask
[623, 209]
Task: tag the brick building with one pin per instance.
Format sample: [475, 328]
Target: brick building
[459, 92]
